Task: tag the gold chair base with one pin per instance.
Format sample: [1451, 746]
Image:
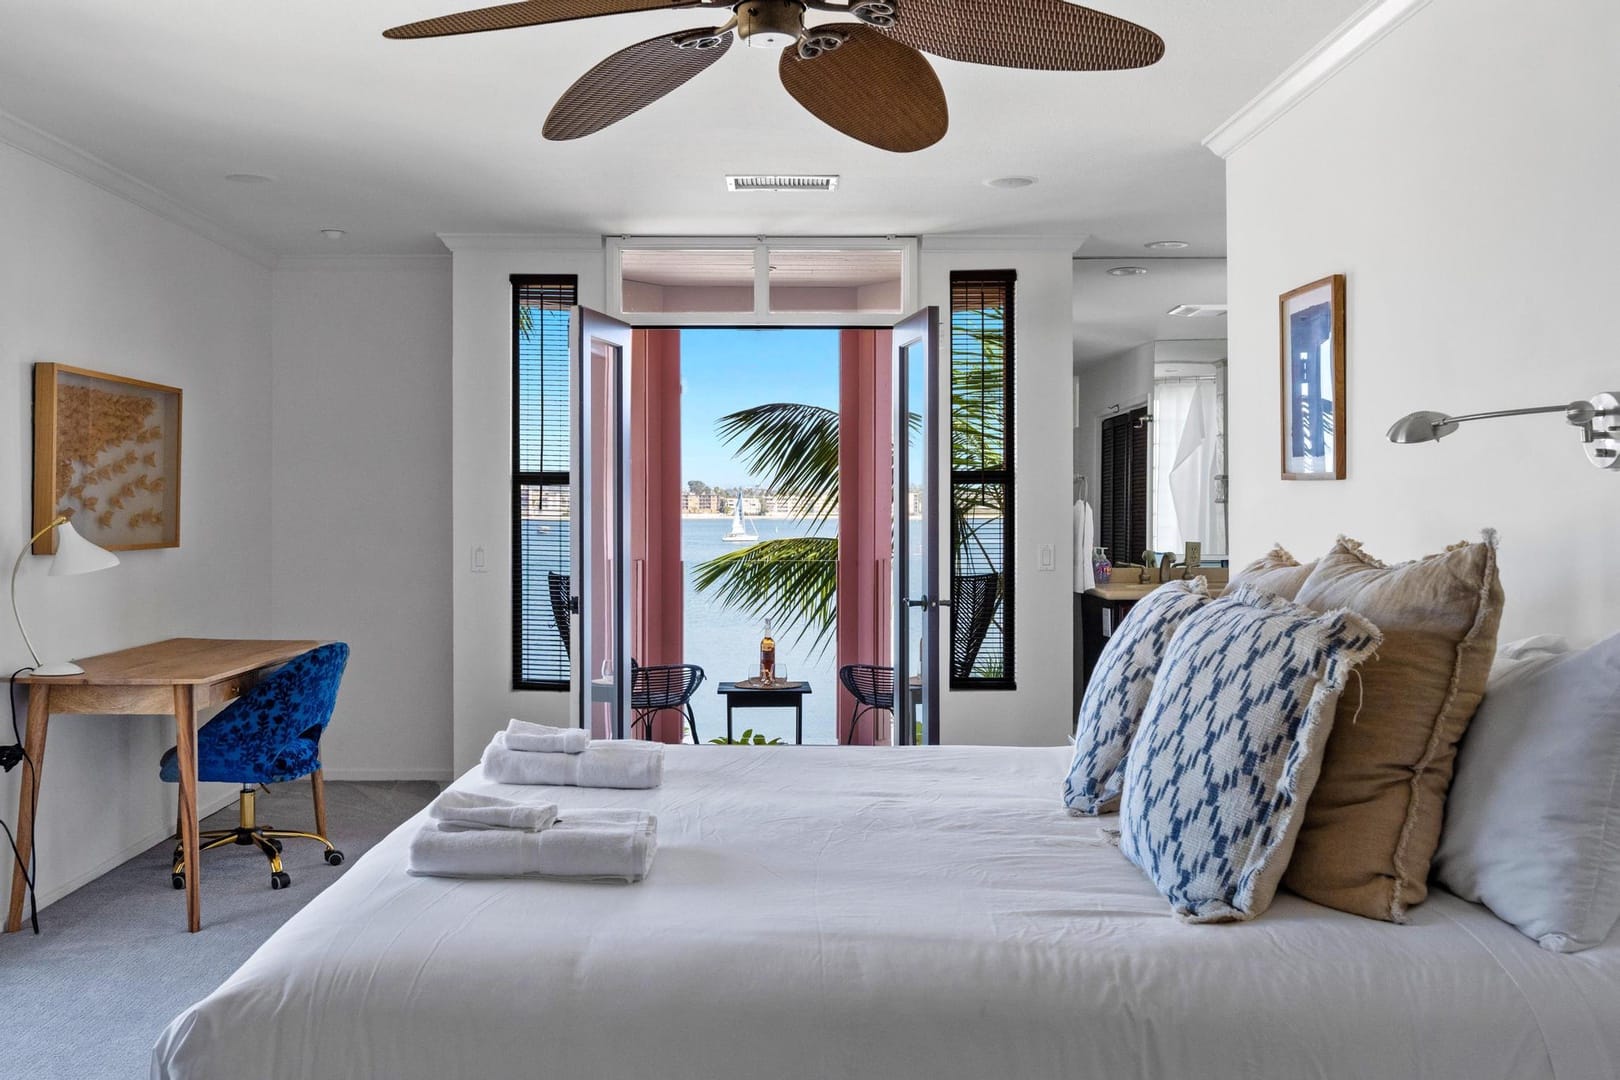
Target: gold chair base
[248, 833]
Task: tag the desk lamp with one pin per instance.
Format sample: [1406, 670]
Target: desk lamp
[74, 555]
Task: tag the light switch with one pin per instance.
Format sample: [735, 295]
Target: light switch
[1047, 559]
[480, 565]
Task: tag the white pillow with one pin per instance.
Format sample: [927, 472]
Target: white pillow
[1533, 823]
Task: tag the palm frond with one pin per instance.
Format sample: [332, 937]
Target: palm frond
[794, 445]
[793, 580]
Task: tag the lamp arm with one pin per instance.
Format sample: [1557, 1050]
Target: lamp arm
[15, 567]
[1506, 412]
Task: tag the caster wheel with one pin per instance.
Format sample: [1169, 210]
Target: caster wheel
[177, 880]
[334, 858]
[280, 880]
[275, 843]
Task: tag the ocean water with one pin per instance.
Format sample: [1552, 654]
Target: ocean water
[725, 643]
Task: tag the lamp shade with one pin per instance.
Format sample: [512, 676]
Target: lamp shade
[1421, 427]
[76, 555]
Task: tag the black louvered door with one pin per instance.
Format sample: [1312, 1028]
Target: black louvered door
[1122, 493]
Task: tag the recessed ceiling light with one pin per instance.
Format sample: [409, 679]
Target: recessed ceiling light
[1167, 245]
[334, 234]
[1010, 182]
[249, 178]
[1128, 271]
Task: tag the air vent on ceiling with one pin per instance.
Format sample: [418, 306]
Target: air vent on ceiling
[1198, 311]
[781, 183]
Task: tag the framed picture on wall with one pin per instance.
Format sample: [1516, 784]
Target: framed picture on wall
[107, 456]
[1313, 395]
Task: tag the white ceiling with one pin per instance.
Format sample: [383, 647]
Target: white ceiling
[397, 141]
[1113, 314]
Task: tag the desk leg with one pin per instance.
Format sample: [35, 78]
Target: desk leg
[798, 723]
[39, 712]
[729, 737]
[185, 742]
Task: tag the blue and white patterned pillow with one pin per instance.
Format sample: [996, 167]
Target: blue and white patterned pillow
[1118, 692]
[1230, 747]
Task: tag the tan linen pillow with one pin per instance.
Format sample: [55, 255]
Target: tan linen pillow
[1276, 573]
[1374, 819]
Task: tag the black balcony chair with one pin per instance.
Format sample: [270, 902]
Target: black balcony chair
[560, 587]
[871, 686]
[661, 687]
[973, 607]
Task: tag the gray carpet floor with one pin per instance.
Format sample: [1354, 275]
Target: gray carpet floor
[112, 964]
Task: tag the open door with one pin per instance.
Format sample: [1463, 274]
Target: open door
[601, 366]
[917, 592]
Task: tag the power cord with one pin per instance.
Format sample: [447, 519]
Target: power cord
[10, 756]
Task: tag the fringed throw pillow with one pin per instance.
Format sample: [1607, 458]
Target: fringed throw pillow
[1229, 748]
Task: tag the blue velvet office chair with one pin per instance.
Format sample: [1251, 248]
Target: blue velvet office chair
[270, 734]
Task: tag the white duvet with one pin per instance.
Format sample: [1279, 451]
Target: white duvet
[890, 913]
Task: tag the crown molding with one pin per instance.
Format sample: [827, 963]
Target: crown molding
[1366, 28]
[392, 263]
[945, 242]
[21, 135]
[458, 242]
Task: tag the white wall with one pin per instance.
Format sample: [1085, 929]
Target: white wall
[1475, 216]
[360, 538]
[1040, 711]
[89, 279]
[481, 395]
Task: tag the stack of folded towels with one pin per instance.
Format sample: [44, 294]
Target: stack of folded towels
[528, 753]
[470, 834]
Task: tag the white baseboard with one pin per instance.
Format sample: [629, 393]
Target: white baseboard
[442, 776]
[157, 836]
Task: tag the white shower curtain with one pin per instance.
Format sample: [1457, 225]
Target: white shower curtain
[1186, 463]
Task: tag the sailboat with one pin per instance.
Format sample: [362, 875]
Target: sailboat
[740, 533]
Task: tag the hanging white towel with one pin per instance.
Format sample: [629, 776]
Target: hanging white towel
[472, 810]
[545, 739]
[588, 845]
[1085, 533]
[614, 763]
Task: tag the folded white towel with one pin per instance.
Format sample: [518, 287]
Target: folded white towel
[545, 739]
[616, 763]
[590, 845]
[472, 810]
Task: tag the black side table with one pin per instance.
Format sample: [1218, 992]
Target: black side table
[788, 696]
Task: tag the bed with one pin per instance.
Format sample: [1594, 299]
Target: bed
[899, 913]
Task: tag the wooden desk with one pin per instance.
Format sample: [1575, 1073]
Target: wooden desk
[790, 695]
[167, 678]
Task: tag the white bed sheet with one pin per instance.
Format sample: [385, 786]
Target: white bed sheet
[898, 913]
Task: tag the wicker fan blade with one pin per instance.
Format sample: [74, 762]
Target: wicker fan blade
[871, 88]
[527, 13]
[630, 80]
[1045, 35]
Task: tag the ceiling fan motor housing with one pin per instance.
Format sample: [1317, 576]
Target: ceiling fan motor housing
[770, 24]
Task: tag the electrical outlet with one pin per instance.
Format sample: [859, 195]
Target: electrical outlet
[480, 564]
[1047, 558]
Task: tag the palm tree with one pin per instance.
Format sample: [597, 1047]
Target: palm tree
[794, 580]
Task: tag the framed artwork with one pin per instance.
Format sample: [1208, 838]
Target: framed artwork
[1313, 395]
[106, 455]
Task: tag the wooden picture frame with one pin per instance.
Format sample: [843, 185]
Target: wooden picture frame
[107, 455]
[1314, 433]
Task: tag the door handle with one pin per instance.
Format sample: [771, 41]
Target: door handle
[924, 603]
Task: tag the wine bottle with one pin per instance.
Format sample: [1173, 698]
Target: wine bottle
[767, 656]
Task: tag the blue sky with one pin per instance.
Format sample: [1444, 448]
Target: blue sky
[726, 370]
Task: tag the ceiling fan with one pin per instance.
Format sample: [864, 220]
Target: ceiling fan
[867, 78]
